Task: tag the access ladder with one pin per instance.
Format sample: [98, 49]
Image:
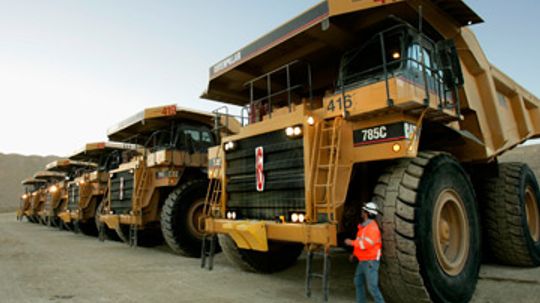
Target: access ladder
[325, 166]
[212, 202]
[137, 206]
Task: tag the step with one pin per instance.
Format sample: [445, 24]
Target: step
[328, 147]
[324, 185]
[320, 276]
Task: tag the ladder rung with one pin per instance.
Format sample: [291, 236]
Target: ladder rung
[320, 276]
[323, 185]
[328, 147]
[318, 252]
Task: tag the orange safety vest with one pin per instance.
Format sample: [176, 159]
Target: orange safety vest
[368, 243]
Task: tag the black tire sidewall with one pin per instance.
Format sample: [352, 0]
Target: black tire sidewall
[280, 255]
[528, 179]
[180, 201]
[443, 173]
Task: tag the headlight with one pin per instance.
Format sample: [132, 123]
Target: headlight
[34, 194]
[24, 196]
[229, 146]
[310, 120]
[53, 189]
[298, 217]
[231, 215]
[289, 131]
[293, 131]
[81, 182]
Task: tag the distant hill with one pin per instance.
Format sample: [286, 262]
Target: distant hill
[13, 169]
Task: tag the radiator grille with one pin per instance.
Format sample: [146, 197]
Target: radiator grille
[121, 192]
[283, 171]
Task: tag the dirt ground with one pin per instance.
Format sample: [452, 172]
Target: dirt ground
[41, 264]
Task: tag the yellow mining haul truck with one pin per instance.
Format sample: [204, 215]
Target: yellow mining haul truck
[39, 197]
[164, 188]
[30, 185]
[390, 101]
[86, 191]
[57, 194]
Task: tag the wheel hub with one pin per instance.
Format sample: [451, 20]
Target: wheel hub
[450, 232]
[195, 214]
[532, 214]
[444, 230]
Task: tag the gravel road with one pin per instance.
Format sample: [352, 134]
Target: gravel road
[40, 264]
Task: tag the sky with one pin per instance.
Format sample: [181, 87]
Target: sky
[70, 69]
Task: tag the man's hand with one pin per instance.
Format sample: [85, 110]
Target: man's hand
[349, 242]
[351, 258]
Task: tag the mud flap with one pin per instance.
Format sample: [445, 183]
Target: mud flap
[248, 235]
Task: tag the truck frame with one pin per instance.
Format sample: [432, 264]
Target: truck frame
[87, 191]
[57, 193]
[162, 191]
[385, 101]
[39, 197]
[30, 185]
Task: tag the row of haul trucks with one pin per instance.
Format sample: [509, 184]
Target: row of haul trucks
[351, 101]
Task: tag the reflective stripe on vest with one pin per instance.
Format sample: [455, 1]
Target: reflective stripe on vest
[369, 243]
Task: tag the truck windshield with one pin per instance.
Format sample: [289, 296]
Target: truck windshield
[367, 62]
[185, 137]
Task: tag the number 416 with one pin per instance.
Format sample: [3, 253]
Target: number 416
[347, 103]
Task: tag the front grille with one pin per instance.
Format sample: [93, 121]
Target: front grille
[283, 171]
[121, 192]
[74, 194]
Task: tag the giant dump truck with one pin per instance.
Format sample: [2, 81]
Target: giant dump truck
[86, 191]
[390, 101]
[57, 194]
[39, 197]
[163, 190]
[30, 185]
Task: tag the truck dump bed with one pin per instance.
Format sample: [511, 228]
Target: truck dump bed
[67, 165]
[495, 109]
[138, 127]
[93, 152]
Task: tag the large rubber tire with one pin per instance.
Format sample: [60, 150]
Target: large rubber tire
[410, 193]
[504, 198]
[88, 228]
[54, 221]
[179, 215]
[148, 237]
[280, 255]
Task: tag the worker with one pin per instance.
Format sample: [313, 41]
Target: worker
[367, 249]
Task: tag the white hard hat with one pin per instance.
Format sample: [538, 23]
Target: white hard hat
[371, 208]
